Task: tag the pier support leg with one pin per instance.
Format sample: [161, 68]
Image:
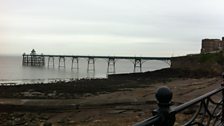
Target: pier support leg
[138, 64]
[111, 63]
[91, 65]
[61, 59]
[32, 60]
[24, 59]
[75, 63]
[27, 60]
[49, 60]
[43, 60]
[40, 61]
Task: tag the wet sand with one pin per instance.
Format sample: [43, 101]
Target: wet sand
[122, 106]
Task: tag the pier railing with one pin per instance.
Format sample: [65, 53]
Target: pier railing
[206, 110]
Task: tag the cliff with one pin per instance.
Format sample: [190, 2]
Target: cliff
[211, 62]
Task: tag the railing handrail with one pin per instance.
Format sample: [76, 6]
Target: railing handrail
[196, 100]
[149, 121]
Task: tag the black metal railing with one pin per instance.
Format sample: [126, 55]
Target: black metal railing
[208, 110]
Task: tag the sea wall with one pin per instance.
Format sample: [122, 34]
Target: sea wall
[213, 62]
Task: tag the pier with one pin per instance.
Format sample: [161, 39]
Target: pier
[34, 59]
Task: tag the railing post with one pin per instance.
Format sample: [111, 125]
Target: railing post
[164, 96]
[222, 104]
[222, 119]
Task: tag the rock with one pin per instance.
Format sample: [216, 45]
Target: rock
[47, 124]
[53, 94]
[32, 94]
[87, 95]
[19, 121]
[141, 114]
[116, 111]
[71, 122]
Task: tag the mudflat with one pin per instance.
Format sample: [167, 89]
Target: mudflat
[128, 102]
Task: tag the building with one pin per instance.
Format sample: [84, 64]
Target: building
[33, 52]
[212, 45]
[33, 59]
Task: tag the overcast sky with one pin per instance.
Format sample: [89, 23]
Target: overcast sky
[109, 27]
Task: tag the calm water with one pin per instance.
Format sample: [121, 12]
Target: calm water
[12, 70]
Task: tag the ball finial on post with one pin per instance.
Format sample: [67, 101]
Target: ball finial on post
[164, 96]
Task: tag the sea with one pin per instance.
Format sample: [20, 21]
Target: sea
[13, 72]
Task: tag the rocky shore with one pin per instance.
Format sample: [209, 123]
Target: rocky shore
[119, 100]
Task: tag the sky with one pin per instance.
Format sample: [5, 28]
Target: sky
[109, 27]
